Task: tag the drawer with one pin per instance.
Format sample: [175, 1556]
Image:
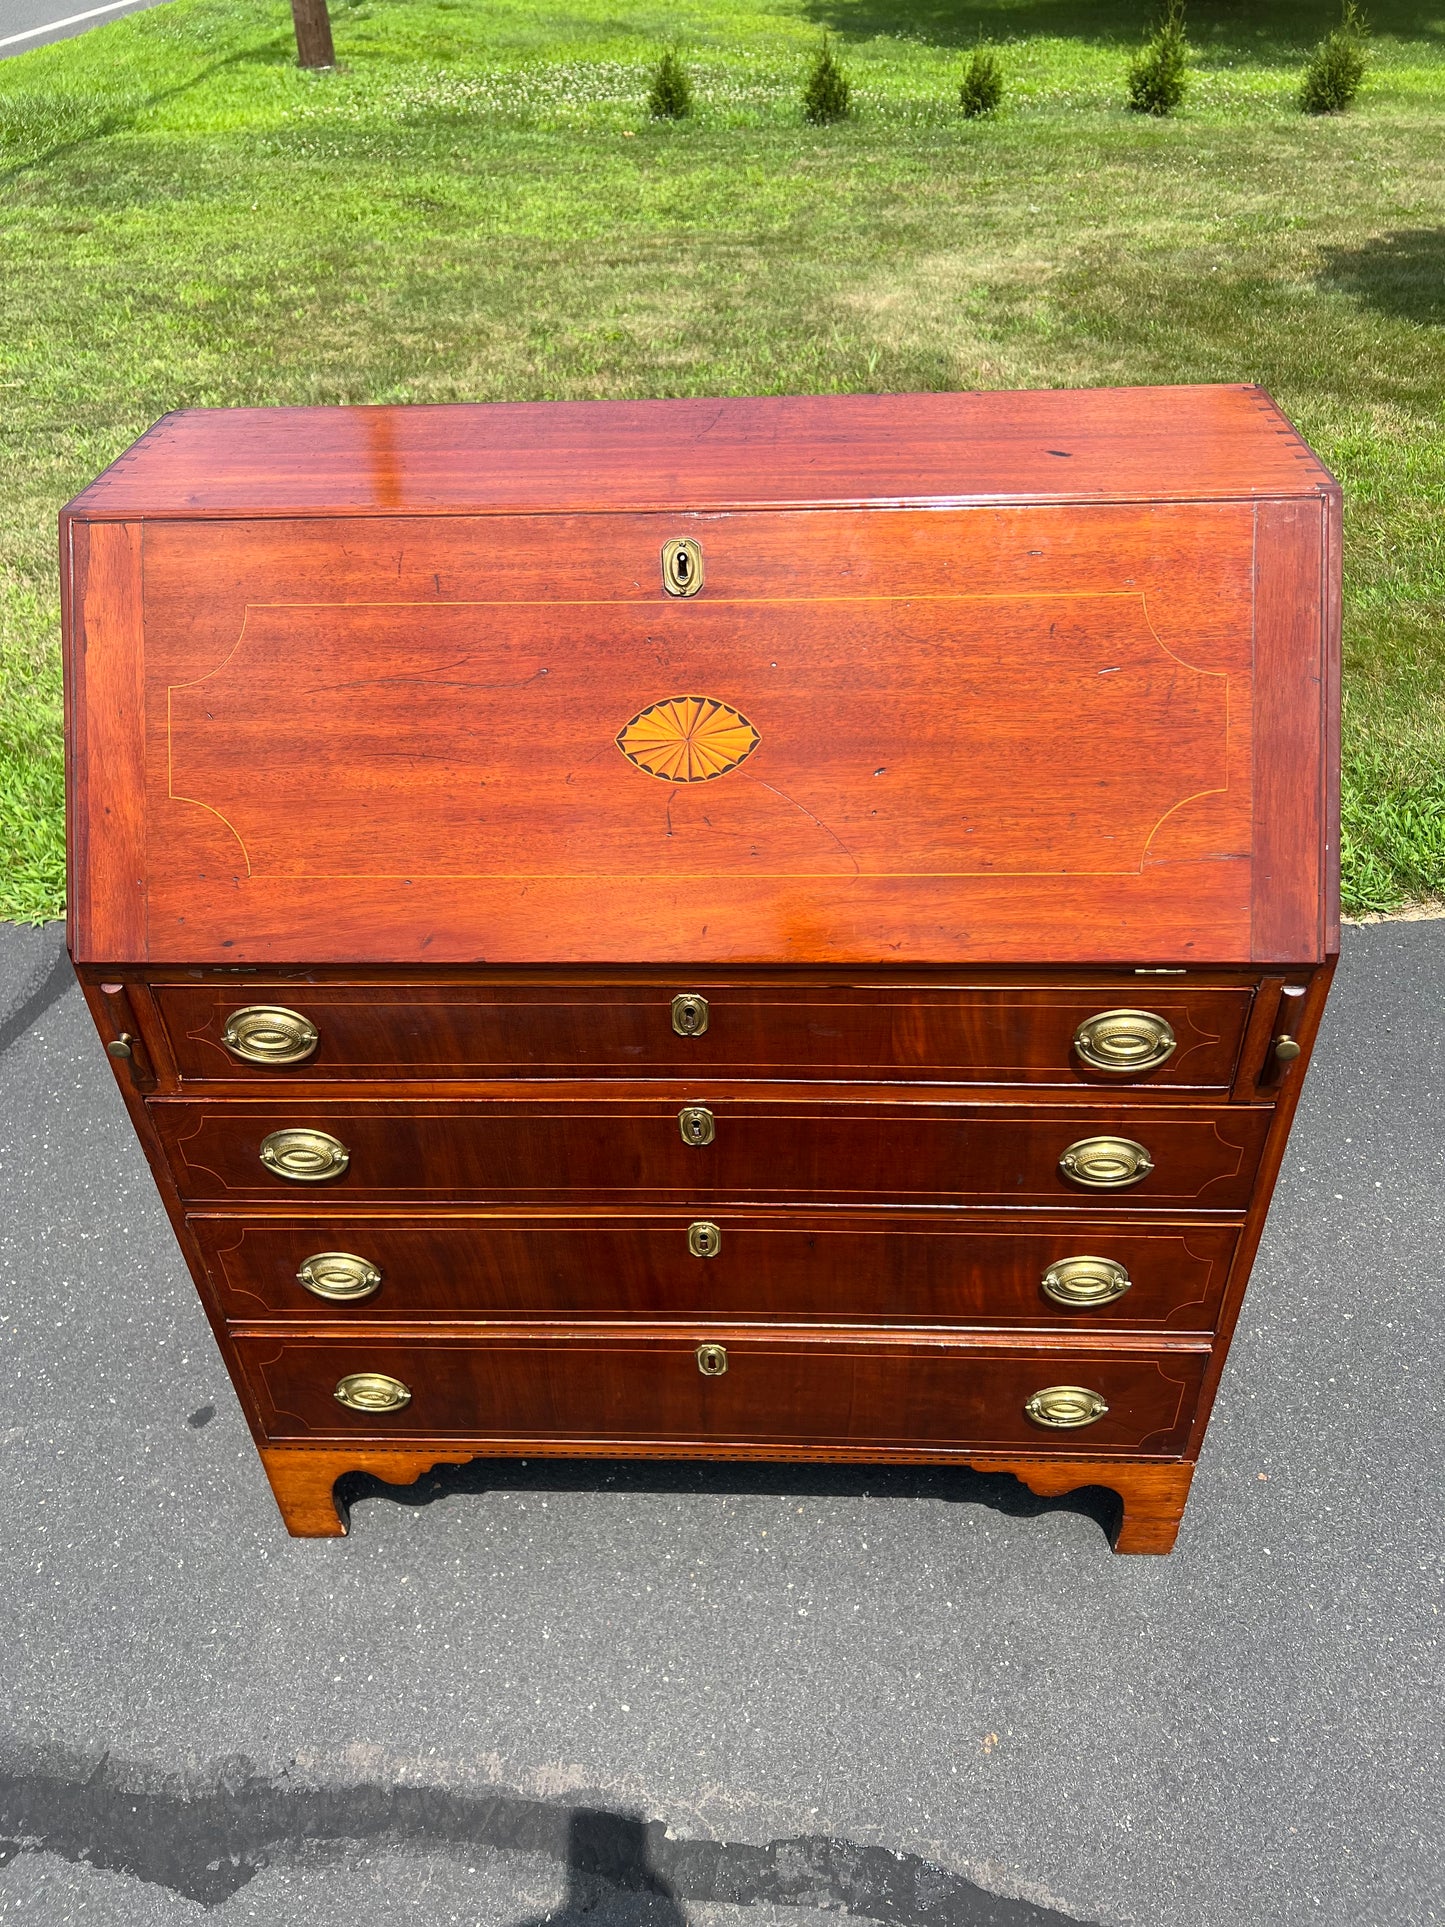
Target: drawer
[493, 1032]
[789, 1150]
[798, 1389]
[837, 1268]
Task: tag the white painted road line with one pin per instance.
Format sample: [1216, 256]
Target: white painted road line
[70, 20]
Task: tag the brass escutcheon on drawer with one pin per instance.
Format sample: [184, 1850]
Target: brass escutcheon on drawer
[689, 1014]
[372, 1392]
[339, 1276]
[1085, 1282]
[704, 1240]
[712, 1360]
[1125, 1042]
[270, 1034]
[1065, 1407]
[306, 1157]
[1106, 1163]
[682, 570]
[697, 1124]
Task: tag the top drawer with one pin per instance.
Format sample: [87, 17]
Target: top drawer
[1185, 1038]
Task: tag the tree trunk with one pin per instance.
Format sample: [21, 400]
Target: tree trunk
[313, 33]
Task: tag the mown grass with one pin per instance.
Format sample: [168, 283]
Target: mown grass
[478, 206]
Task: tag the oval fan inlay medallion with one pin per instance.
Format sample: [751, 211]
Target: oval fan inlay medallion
[687, 739]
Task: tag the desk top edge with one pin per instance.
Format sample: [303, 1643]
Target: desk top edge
[730, 455]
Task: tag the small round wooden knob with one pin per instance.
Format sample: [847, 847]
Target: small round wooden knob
[339, 1276]
[1106, 1163]
[306, 1157]
[1125, 1042]
[269, 1034]
[1083, 1283]
[372, 1392]
[697, 1124]
[712, 1360]
[1065, 1407]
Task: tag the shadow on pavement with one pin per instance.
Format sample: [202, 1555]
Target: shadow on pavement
[999, 1491]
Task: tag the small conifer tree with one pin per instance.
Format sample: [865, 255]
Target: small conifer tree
[1159, 72]
[982, 86]
[1337, 66]
[671, 94]
[827, 95]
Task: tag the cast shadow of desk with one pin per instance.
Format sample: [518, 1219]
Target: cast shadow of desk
[956, 1485]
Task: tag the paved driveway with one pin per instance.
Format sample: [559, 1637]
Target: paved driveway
[744, 1695]
[31, 23]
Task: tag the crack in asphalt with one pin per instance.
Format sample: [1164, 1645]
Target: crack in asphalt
[204, 1840]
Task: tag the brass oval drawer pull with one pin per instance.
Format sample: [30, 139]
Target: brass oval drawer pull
[1286, 1049]
[270, 1034]
[689, 1015]
[712, 1360]
[1125, 1041]
[697, 1124]
[1085, 1282]
[306, 1157]
[704, 1240]
[372, 1392]
[1065, 1406]
[1106, 1163]
[339, 1276]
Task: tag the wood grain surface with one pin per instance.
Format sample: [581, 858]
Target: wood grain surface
[839, 1267]
[445, 1032]
[1152, 1492]
[600, 1147]
[782, 1385]
[1186, 443]
[1019, 729]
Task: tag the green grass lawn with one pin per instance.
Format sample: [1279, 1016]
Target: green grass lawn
[477, 207]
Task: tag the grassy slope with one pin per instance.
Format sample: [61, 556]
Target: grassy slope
[477, 207]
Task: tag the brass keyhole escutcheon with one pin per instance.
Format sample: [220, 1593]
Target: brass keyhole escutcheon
[340, 1277]
[372, 1392]
[1082, 1283]
[697, 1124]
[704, 1240]
[306, 1157]
[1125, 1042]
[682, 567]
[689, 1015]
[1106, 1163]
[1066, 1407]
[269, 1034]
[712, 1360]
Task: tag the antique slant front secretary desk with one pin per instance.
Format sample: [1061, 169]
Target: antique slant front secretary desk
[744, 929]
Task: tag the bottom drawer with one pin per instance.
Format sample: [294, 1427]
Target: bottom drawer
[719, 1387]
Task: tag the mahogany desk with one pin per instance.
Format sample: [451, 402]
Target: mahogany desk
[740, 929]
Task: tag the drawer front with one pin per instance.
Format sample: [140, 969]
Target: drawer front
[632, 1151]
[985, 1035]
[741, 1265]
[794, 1389]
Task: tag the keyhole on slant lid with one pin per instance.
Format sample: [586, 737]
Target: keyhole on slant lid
[682, 567]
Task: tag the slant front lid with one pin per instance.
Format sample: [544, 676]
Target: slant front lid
[1072, 733]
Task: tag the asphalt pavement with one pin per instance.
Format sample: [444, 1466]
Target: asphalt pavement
[727, 1696]
[32, 23]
